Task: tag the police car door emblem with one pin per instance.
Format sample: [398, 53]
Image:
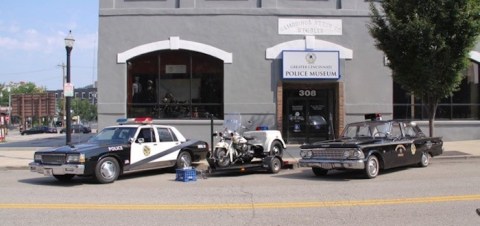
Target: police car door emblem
[146, 150]
[414, 149]
[400, 149]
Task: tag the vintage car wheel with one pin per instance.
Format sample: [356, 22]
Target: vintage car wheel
[64, 178]
[319, 171]
[425, 161]
[107, 170]
[372, 166]
[276, 149]
[221, 156]
[275, 165]
[184, 160]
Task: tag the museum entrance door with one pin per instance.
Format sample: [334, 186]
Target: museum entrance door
[308, 115]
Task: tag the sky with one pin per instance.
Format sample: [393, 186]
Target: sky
[32, 46]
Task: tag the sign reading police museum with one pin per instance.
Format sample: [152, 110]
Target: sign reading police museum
[311, 65]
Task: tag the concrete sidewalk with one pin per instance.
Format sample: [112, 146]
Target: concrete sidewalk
[19, 157]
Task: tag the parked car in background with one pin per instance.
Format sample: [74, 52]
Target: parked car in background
[78, 128]
[39, 129]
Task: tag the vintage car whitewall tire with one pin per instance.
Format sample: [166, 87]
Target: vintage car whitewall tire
[372, 167]
[425, 161]
[107, 170]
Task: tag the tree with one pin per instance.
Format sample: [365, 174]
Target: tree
[427, 44]
[83, 108]
[20, 88]
[17, 88]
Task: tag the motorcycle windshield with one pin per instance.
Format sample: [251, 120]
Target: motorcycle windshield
[233, 122]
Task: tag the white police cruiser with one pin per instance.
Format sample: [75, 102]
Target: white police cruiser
[135, 144]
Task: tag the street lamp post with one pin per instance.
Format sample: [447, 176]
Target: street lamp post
[69, 41]
[9, 106]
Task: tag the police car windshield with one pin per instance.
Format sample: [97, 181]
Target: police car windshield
[367, 129]
[114, 135]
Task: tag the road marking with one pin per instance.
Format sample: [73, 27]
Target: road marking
[219, 206]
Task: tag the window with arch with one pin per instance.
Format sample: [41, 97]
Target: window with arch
[175, 84]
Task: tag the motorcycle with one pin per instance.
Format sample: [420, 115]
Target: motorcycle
[234, 148]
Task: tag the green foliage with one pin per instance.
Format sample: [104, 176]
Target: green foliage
[427, 43]
[86, 110]
[18, 88]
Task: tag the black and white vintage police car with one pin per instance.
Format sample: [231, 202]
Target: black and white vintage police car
[133, 145]
[372, 145]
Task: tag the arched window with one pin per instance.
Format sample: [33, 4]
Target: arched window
[175, 84]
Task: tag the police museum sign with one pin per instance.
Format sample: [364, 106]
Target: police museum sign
[311, 65]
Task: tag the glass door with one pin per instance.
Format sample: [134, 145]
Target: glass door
[307, 121]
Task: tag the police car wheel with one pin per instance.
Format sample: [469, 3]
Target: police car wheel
[107, 170]
[276, 149]
[372, 167]
[425, 161]
[184, 160]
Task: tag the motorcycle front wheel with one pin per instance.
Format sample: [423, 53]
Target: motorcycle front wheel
[222, 157]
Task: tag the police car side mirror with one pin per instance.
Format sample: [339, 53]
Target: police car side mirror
[140, 140]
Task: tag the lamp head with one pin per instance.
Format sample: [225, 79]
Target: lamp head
[69, 40]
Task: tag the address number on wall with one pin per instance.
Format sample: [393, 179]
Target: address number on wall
[307, 93]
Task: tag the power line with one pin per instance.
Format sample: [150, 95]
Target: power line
[27, 72]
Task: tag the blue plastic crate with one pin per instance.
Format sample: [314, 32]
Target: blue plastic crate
[186, 175]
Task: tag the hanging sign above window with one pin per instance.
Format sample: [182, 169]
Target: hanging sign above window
[311, 65]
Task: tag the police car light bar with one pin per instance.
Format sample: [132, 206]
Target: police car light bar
[139, 120]
[373, 117]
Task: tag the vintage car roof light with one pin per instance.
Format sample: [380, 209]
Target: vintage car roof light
[143, 120]
[139, 120]
[122, 121]
[373, 116]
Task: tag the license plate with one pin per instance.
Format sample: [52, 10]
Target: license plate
[326, 166]
[47, 172]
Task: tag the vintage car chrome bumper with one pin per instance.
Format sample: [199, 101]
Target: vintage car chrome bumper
[332, 164]
[49, 170]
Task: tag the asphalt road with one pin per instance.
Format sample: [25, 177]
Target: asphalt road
[445, 193]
